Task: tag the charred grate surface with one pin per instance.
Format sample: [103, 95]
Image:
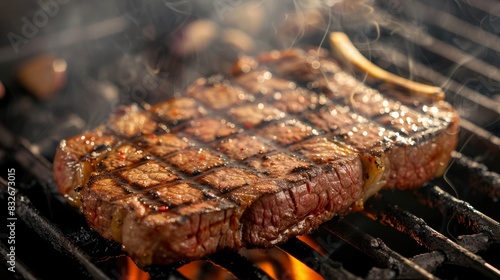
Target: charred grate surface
[52, 235]
[487, 229]
[423, 234]
[385, 257]
[22, 271]
[480, 177]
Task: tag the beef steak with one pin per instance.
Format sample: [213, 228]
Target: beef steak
[286, 143]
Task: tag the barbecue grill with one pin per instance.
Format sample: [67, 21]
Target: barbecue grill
[449, 228]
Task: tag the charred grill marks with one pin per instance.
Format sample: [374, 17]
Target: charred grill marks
[251, 161]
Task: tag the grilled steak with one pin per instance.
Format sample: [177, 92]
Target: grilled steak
[285, 144]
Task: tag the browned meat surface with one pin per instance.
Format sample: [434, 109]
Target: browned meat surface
[284, 145]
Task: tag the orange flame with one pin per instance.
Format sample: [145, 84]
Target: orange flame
[133, 272]
[204, 270]
[280, 265]
[275, 262]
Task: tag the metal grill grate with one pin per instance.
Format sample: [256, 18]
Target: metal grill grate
[447, 229]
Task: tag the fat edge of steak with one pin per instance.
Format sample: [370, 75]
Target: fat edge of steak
[256, 184]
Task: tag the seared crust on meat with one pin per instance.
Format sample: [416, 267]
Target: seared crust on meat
[287, 143]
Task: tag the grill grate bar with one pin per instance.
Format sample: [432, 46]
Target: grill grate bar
[423, 234]
[478, 174]
[480, 137]
[26, 154]
[239, 265]
[434, 196]
[487, 6]
[455, 25]
[485, 135]
[160, 272]
[52, 235]
[489, 108]
[22, 271]
[377, 250]
[320, 263]
[420, 37]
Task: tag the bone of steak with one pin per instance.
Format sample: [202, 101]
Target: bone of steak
[285, 144]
